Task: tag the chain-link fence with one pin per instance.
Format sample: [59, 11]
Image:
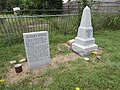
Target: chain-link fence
[14, 24]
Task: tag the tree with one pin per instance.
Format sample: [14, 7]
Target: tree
[31, 4]
[26, 4]
[41, 4]
[51, 4]
[3, 4]
[85, 3]
[10, 4]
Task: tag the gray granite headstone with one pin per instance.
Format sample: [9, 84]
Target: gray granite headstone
[37, 48]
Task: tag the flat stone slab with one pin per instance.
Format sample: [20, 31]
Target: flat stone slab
[37, 48]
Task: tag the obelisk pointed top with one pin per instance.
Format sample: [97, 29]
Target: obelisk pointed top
[87, 8]
[86, 18]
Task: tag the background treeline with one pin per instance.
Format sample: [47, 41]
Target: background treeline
[30, 4]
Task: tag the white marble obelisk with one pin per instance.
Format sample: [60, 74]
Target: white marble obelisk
[84, 42]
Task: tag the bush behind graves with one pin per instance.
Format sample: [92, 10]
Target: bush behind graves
[105, 21]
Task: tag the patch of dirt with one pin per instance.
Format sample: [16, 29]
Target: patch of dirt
[34, 81]
[13, 77]
[48, 81]
[63, 58]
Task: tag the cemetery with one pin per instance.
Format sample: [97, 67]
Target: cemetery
[74, 51]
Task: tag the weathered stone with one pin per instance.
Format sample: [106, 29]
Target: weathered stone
[37, 48]
[22, 60]
[86, 59]
[13, 62]
[84, 42]
[69, 43]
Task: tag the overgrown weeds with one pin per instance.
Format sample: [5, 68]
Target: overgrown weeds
[106, 21]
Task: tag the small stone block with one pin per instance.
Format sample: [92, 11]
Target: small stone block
[22, 60]
[86, 59]
[13, 62]
[69, 42]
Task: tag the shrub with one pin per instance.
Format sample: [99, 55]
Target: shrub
[106, 21]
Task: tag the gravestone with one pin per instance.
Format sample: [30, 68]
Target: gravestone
[37, 48]
[84, 43]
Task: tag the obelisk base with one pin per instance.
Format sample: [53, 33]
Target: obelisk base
[83, 50]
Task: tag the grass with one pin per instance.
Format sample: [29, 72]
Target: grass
[93, 75]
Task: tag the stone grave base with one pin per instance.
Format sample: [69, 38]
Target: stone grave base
[84, 50]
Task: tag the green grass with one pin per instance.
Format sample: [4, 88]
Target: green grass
[93, 75]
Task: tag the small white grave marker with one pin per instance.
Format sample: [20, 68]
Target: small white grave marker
[16, 9]
[37, 48]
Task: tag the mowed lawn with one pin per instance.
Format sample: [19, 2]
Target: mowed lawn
[101, 74]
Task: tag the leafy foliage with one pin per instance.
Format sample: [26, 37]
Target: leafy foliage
[31, 4]
[85, 2]
[106, 20]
